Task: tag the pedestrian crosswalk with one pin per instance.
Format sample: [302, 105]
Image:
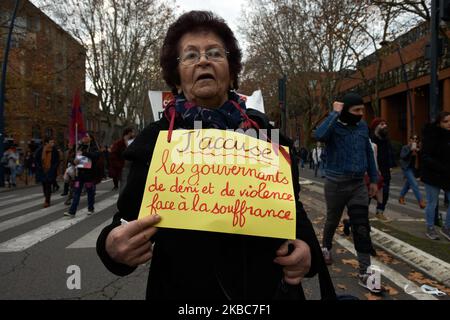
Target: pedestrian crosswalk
[11, 199]
[90, 239]
[23, 205]
[17, 211]
[24, 218]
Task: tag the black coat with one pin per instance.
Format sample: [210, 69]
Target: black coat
[90, 151]
[436, 156]
[202, 265]
[385, 156]
[50, 175]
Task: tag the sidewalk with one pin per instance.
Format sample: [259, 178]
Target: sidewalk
[21, 183]
[402, 236]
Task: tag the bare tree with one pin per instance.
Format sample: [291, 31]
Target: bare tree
[419, 8]
[309, 42]
[122, 38]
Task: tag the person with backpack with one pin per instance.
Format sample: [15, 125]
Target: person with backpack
[85, 160]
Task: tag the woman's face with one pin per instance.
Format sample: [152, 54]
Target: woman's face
[445, 123]
[206, 82]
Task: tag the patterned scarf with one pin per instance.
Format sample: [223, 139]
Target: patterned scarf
[227, 116]
[47, 157]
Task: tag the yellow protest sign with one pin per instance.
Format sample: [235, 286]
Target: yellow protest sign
[221, 181]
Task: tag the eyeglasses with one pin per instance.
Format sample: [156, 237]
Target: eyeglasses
[192, 57]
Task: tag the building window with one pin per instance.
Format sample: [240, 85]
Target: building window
[36, 100]
[49, 103]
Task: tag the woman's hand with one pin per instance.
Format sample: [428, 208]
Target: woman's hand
[130, 243]
[297, 264]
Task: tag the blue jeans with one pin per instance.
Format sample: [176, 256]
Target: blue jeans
[410, 183]
[302, 163]
[319, 166]
[386, 186]
[432, 200]
[78, 187]
[12, 175]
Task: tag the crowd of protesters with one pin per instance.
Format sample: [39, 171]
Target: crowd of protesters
[354, 158]
[427, 161]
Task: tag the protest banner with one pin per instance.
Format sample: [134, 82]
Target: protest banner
[221, 181]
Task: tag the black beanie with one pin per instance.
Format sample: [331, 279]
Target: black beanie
[352, 99]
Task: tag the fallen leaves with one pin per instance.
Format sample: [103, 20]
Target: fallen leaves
[336, 269]
[391, 291]
[370, 296]
[318, 220]
[384, 257]
[352, 262]
[420, 279]
[342, 287]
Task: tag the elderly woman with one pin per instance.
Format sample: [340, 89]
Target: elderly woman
[436, 170]
[201, 61]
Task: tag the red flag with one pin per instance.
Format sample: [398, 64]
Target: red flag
[76, 118]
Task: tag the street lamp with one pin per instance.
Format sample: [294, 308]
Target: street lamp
[3, 88]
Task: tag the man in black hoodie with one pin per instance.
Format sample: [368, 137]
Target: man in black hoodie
[385, 159]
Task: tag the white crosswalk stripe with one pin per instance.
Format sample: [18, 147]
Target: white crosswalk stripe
[21, 199]
[21, 207]
[8, 196]
[29, 239]
[14, 222]
[90, 239]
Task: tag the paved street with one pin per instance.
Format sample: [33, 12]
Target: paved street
[405, 221]
[38, 248]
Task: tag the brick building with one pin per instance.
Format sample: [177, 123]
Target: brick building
[404, 104]
[45, 67]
